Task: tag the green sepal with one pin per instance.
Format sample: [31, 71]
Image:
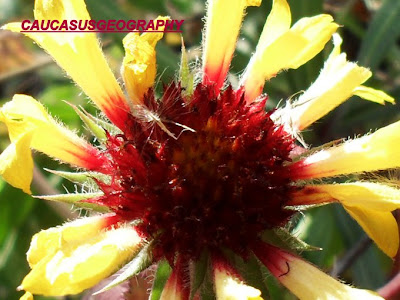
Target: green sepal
[163, 272]
[200, 268]
[94, 128]
[111, 128]
[79, 177]
[250, 270]
[207, 291]
[282, 238]
[140, 262]
[75, 199]
[186, 77]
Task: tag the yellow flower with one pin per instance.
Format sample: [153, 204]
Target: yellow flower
[202, 180]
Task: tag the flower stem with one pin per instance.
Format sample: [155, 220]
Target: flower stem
[351, 256]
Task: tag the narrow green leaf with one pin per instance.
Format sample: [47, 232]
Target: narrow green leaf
[381, 35]
[141, 261]
[7, 247]
[162, 274]
[75, 199]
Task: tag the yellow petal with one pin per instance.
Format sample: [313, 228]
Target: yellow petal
[308, 282]
[290, 50]
[30, 126]
[380, 226]
[24, 114]
[373, 95]
[139, 65]
[224, 18]
[76, 232]
[317, 31]
[229, 287]
[377, 151]
[266, 63]
[16, 164]
[335, 84]
[77, 263]
[368, 195]
[338, 81]
[80, 55]
[27, 296]
[278, 22]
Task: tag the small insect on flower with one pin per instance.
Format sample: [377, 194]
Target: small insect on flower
[202, 180]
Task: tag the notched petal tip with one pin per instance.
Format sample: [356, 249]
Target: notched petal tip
[76, 256]
[24, 115]
[281, 47]
[139, 64]
[338, 81]
[373, 95]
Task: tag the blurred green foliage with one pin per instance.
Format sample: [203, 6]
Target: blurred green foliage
[370, 34]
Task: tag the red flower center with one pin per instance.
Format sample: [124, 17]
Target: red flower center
[200, 173]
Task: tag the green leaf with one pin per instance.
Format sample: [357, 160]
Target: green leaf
[162, 275]
[141, 261]
[381, 35]
[7, 247]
